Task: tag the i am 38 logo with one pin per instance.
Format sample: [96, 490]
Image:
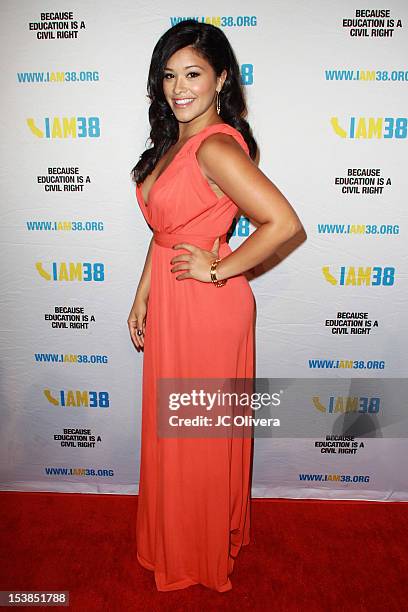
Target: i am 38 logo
[65, 127]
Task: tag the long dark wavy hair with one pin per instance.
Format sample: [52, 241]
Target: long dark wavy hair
[212, 44]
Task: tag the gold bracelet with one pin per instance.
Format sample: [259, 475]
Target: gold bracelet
[217, 283]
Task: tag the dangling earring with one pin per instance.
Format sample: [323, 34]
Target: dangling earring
[218, 103]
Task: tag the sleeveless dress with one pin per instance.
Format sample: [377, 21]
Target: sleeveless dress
[194, 494]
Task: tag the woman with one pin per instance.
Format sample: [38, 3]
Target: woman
[193, 313]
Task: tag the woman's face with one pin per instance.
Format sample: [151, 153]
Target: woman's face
[190, 85]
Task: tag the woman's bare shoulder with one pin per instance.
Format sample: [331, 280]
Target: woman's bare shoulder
[218, 143]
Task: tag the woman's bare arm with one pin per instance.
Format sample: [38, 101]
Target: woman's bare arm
[223, 160]
[137, 316]
[143, 288]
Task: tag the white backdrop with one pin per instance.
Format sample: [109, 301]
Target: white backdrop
[327, 96]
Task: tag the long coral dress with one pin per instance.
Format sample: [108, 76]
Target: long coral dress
[194, 494]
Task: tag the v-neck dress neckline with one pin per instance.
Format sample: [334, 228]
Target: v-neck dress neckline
[147, 202]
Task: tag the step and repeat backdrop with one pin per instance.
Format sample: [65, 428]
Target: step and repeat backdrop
[326, 86]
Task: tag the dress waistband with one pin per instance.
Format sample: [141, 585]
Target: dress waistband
[166, 239]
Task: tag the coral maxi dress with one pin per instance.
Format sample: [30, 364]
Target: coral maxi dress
[194, 494]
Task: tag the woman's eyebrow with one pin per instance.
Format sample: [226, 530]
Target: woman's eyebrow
[185, 67]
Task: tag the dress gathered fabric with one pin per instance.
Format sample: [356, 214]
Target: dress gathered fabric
[194, 494]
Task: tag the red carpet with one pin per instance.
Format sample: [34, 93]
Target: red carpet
[305, 555]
